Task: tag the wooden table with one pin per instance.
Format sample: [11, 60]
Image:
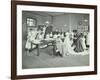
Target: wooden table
[45, 42]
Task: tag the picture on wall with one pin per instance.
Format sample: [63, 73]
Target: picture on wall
[58, 37]
[53, 39]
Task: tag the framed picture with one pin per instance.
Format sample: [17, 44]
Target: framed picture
[63, 43]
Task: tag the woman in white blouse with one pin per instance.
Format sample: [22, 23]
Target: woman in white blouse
[68, 49]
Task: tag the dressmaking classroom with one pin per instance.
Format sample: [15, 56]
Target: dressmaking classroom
[54, 39]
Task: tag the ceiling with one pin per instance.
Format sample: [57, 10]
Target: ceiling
[48, 13]
[54, 13]
[43, 13]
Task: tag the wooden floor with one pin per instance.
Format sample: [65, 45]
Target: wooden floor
[46, 59]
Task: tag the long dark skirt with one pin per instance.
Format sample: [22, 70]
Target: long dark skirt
[78, 47]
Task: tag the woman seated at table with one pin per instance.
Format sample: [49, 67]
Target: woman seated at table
[59, 46]
[40, 35]
[30, 38]
[55, 36]
[47, 36]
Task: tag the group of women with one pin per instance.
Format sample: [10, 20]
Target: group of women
[66, 42]
[73, 44]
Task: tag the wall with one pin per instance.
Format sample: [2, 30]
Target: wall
[69, 21]
[64, 22]
[60, 20]
[40, 18]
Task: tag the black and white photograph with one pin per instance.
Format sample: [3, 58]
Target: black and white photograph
[55, 39]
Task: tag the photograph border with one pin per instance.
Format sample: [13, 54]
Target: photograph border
[14, 39]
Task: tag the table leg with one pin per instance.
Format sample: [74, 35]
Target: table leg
[38, 52]
[54, 48]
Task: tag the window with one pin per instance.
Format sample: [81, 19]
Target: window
[31, 22]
